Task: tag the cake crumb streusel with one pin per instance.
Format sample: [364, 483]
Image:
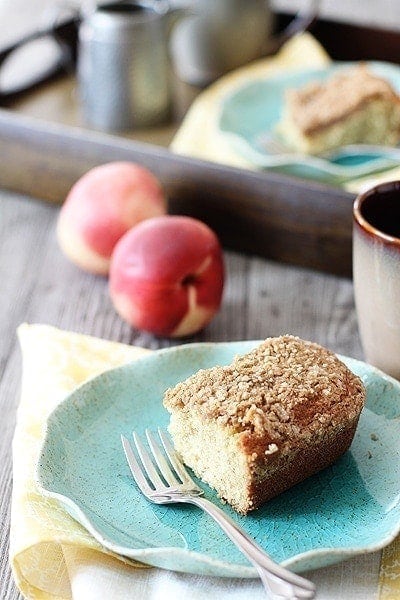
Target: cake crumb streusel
[282, 388]
[319, 105]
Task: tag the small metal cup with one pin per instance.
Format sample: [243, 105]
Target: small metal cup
[123, 69]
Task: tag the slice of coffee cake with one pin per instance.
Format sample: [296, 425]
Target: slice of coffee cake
[355, 106]
[264, 423]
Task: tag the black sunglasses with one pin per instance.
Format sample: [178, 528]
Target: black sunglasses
[47, 53]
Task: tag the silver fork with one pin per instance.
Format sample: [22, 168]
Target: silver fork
[162, 478]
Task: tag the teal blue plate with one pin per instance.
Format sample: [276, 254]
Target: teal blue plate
[249, 116]
[349, 508]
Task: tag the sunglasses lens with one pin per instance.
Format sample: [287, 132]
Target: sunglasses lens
[29, 64]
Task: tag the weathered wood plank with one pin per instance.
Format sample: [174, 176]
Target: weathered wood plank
[273, 215]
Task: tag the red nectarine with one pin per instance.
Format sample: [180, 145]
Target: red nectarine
[103, 205]
[167, 275]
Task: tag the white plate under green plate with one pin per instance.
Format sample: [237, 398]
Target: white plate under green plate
[349, 508]
[252, 112]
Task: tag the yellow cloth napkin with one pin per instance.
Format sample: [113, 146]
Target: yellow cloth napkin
[389, 574]
[199, 137]
[55, 362]
[49, 551]
[357, 186]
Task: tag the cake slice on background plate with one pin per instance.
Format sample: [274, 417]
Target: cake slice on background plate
[354, 106]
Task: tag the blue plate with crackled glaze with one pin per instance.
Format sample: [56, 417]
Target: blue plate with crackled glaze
[349, 508]
[249, 120]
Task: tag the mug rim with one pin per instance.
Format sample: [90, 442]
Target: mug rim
[366, 225]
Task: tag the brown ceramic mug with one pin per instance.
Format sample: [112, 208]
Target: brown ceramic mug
[376, 274]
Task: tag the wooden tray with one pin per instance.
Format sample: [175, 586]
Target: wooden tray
[272, 215]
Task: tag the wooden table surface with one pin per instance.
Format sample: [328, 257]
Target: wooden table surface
[262, 299]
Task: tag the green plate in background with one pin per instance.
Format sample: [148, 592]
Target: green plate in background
[252, 112]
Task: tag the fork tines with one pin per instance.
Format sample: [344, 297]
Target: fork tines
[159, 469]
[162, 478]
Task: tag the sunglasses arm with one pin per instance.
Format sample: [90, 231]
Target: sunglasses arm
[66, 37]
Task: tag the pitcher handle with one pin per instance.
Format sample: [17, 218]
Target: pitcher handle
[303, 20]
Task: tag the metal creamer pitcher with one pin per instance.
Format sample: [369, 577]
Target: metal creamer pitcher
[221, 35]
[123, 69]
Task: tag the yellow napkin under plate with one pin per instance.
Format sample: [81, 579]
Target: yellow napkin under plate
[46, 544]
[55, 362]
[357, 186]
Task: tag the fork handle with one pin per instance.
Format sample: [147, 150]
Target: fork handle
[278, 581]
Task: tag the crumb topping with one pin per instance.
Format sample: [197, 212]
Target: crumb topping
[318, 105]
[285, 388]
